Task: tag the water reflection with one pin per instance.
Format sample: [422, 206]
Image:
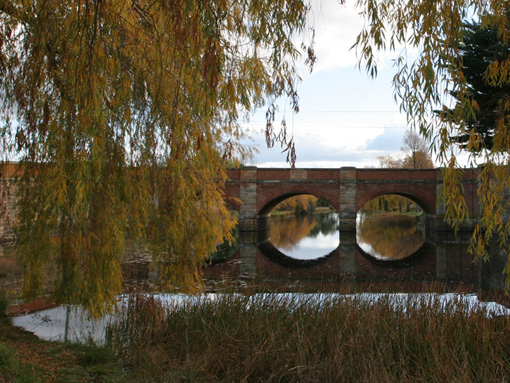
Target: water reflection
[442, 259]
[320, 255]
[388, 236]
[305, 237]
[308, 254]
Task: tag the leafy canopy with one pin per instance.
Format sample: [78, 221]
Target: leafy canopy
[123, 115]
[416, 154]
[416, 149]
[432, 32]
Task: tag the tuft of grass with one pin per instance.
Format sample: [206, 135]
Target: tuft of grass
[12, 369]
[100, 362]
[302, 338]
[4, 306]
[7, 361]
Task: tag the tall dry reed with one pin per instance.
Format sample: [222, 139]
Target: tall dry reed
[302, 338]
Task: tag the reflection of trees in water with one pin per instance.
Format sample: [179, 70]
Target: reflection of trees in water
[286, 232]
[326, 224]
[391, 236]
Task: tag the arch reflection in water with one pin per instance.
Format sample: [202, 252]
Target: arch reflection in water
[305, 237]
[389, 236]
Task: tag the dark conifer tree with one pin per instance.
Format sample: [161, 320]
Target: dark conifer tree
[480, 47]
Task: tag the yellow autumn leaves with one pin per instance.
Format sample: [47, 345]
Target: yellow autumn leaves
[124, 115]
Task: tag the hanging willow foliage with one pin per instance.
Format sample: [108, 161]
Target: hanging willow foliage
[123, 116]
[427, 38]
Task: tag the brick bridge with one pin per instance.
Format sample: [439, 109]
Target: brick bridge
[347, 189]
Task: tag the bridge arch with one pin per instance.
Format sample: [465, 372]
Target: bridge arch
[269, 205]
[419, 185]
[425, 204]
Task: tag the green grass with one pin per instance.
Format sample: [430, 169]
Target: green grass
[247, 338]
[8, 363]
[25, 358]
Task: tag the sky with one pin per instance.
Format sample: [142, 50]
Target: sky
[346, 118]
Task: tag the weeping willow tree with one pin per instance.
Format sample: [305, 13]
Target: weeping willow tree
[427, 38]
[123, 116]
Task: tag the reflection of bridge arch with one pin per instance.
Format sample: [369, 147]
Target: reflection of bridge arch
[412, 260]
[430, 263]
[278, 257]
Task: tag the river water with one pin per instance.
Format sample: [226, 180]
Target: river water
[309, 254]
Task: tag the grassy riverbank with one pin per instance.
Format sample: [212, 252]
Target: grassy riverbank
[277, 338]
[317, 210]
[24, 358]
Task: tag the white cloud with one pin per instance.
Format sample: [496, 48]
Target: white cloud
[325, 147]
[336, 29]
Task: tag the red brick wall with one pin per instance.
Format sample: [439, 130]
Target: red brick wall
[323, 174]
[273, 174]
[397, 174]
